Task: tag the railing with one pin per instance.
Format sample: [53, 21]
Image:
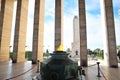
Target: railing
[81, 72]
[18, 75]
[82, 76]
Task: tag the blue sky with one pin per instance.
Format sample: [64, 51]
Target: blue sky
[94, 27]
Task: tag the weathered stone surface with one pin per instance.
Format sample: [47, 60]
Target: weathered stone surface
[108, 23]
[83, 36]
[38, 31]
[58, 23]
[20, 31]
[6, 14]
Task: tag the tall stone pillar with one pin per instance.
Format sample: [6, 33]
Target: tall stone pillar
[0, 5]
[6, 14]
[38, 31]
[20, 31]
[58, 23]
[83, 37]
[108, 23]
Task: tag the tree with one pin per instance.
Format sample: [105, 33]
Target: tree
[118, 47]
[47, 52]
[28, 55]
[68, 50]
[102, 54]
[90, 52]
[99, 53]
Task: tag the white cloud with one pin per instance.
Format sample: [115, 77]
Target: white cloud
[117, 29]
[29, 33]
[49, 35]
[31, 6]
[92, 4]
[48, 29]
[116, 3]
[13, 25]
[68, 31]
[49, 7]
[94, 30]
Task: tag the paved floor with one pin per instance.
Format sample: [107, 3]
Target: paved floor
[17, 71]
[25, 71]
[106, 72]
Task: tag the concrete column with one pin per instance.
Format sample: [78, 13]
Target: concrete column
[108, 18]
[83, 36]
[38, 31]
[58, 23]
[20, 31]
[6, 14]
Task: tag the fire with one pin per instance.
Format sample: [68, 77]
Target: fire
[60, 48]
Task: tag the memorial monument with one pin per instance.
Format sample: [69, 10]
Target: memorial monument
[6, 13]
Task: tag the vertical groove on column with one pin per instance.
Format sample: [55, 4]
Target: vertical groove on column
[5, 28]
[2, 18]
[83, 36]
[20, 31]
[111, 53]
[0, 5]
[38, 31]
[58, 23]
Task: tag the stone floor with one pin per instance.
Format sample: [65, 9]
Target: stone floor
[25, 71]
[17, 71]
[106, 72]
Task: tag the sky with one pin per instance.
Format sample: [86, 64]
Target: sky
[93, 18]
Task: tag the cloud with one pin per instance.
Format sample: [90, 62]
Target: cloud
[13, 24]
[117, 30]
[30, 22]
[68, 31]
[48, 26]
[116, 3]
[49, 35]
[92, 5]
[29, 35]
[94, 29]
[49, 7]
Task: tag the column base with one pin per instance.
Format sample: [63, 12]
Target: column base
[13, 61]
[114, 66]
[34, 62]
[4, 59]
[84, 63]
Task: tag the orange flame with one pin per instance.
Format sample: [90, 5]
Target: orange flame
[60, 48]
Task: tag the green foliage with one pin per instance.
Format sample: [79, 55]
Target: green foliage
[11, 54]
[68, 50]
[28, 55]
[101, 54]
[118, 46]
[97, 52]
[46, 54]
[90, 52]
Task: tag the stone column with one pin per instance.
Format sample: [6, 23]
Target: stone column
[108, 23]
[0, 5]
[20, 31]
[58, 23]
[38, 31]
[83, 36]
[6, 14]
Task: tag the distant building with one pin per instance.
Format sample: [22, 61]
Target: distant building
[76, 39]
